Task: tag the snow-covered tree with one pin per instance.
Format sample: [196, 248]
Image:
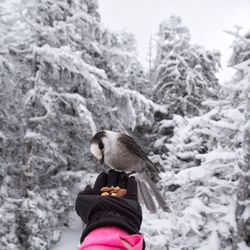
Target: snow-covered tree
[202, 181]
[119, 52]
[184, 74]
[63, 76]
[62, 95]
[206, 163]
[12, 129]
[239, 90]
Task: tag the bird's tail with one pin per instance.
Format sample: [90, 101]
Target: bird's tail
[145, 196]
[146, 191]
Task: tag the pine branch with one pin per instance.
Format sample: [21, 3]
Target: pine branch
[237, 35]
[27, 22]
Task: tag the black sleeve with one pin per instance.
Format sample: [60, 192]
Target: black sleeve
[97, 211]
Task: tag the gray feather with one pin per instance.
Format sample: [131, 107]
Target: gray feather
[135, 149]
[157, 194]
[146, 196]
[140, 197]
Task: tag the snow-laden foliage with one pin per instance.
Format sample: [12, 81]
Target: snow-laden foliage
[119, 54]
[128, 103]
[200, 180]
[63, 76]
[184, 73]
[239, 95]
[12, 129]
[57, 90]
[206, 163]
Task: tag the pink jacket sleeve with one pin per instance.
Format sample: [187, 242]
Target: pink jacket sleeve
[111, 238]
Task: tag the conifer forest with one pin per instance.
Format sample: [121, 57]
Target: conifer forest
[64, 76]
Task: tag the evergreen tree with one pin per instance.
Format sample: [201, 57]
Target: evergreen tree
[201, 179]
[64, 77]
[184, 73]
[239, 90]
[119, 51]
[12, 129]
[61, 99]
[206, 163]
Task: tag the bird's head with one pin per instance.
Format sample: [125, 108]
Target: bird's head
[97, 145]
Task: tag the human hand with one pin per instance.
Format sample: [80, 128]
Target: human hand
[98, 211]
[114, 183]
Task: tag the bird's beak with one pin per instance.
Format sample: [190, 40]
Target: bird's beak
[102, 159]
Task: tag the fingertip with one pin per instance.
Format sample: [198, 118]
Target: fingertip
[132, 186]
[113, 178]
[123, 179]
[132, 180]
[102, 174]
[101, 181]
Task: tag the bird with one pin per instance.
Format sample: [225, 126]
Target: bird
[121, 152]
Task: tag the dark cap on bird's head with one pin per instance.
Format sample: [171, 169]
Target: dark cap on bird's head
[97, 137]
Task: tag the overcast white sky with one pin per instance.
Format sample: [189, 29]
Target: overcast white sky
[206, 20]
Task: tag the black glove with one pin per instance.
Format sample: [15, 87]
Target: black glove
[99, 211]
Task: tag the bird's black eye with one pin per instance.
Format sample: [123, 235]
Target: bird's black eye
[101, 146]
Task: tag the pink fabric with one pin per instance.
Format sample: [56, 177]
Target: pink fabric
[109, 238]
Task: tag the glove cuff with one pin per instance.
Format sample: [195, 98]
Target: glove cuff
[112, 211]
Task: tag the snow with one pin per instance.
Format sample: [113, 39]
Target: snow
[69, 240]
[218, 155]
[246, 214]
[65, 77]
[212, 242]
[160, 142]
[132, 105]
[63, 57]
[70, 237]
[243, 246]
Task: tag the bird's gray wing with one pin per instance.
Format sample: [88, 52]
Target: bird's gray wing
[134, 148]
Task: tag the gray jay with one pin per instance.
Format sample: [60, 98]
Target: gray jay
[121, 152]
